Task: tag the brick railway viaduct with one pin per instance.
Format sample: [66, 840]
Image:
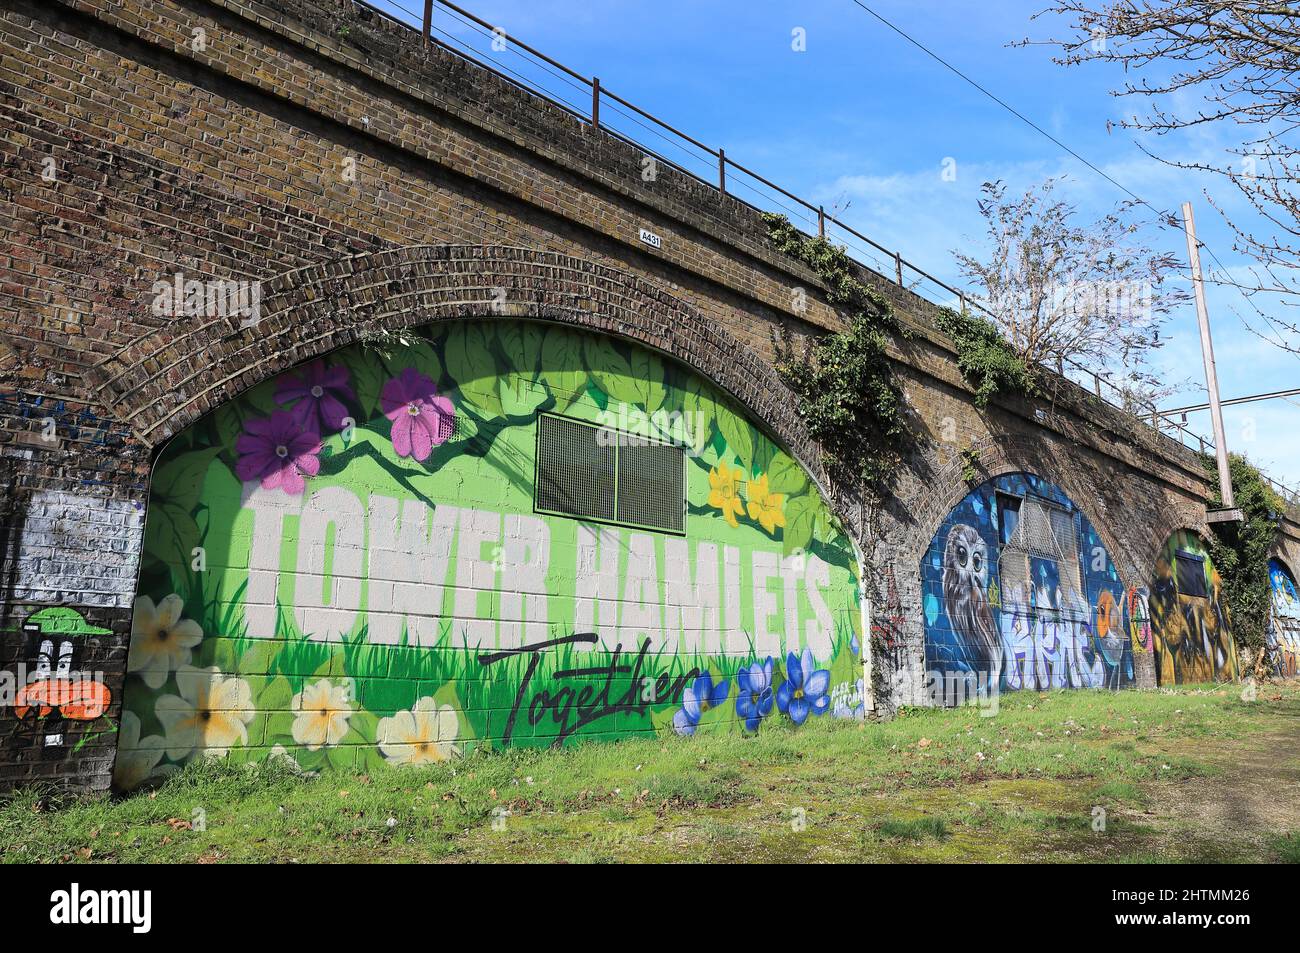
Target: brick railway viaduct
[129, 153]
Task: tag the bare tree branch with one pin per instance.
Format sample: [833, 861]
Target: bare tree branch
[1239, 59]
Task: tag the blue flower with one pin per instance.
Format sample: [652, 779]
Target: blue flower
[754, 693]
[803, 692]
[699, 697]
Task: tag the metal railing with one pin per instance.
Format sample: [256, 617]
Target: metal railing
[870, 254]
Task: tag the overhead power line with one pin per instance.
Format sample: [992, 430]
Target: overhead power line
[1165, 218]
[1289, 392]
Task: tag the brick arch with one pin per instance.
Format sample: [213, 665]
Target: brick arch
[163, 383]
[1287, 552]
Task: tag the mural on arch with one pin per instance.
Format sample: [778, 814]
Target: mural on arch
[357, 563]
[1017, 586]
[1190, 628]
[1284, 621]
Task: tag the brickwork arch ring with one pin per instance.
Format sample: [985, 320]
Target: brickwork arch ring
[999, 458]
[164, 382]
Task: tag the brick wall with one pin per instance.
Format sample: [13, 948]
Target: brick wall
[366, 180]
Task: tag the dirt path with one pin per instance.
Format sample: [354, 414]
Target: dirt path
[1254, 797]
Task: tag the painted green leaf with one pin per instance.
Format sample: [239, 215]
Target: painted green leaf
[562, 368]
[646, 385]
[342, 757]
[786, 476]
[609, 368]
[722, 719]
[228, 420]
[262, 398]
[362, 728]
[223, 654]
[180, 481]
[258, 657]
[800, 518]
[307, 759]
[367, 380]
[276, 696]
[522, 343]
[171, 535]
[845, 667]
[447, 695]
[472, 366]
[662, 720]
[740, 438]
[700, 411]
[279, 727]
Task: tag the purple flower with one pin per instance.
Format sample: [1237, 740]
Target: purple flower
[320, 392]
[803, 692]
[421, 419]
[754, 693]
[279, 451]
[699, 697]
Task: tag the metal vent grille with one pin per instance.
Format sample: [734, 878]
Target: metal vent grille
[1043, 532]
[652, 485]
[575, 469]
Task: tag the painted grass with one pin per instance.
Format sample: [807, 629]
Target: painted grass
[930, 785]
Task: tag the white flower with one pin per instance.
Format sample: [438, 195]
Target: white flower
[323, 710]
[160, 639]
[211, 715]
[423, 735]
[136, 759]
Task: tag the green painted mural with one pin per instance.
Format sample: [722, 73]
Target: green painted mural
[1191, 631]
[487, 533]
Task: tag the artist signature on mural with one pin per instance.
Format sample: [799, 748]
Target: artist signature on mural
[572, 708]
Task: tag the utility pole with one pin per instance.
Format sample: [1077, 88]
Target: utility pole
[1211, 376]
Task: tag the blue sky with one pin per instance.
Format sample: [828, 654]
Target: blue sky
[864, 118]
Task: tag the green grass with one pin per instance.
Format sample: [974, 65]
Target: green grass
[918, 829]
[1287, 847]
[1025, 785]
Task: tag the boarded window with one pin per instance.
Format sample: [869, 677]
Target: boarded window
[597, 473]
[1191, 575]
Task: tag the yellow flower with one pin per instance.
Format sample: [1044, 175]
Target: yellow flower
[322, 715]
[724, 492]
[423, 735]
[767, 508]
[210, 716]
[160, 639]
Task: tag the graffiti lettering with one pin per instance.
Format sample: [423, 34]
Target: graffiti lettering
[570, 709]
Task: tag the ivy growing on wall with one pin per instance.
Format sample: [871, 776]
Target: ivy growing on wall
[848, 396]
[989, 365]
[1241, 551]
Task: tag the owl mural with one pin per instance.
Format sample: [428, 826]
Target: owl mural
[999, 600]
[965, 584]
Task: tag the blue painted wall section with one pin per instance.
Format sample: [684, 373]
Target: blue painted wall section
[1017, 586]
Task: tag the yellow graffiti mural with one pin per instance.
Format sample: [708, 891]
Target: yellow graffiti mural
[1190, 628]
